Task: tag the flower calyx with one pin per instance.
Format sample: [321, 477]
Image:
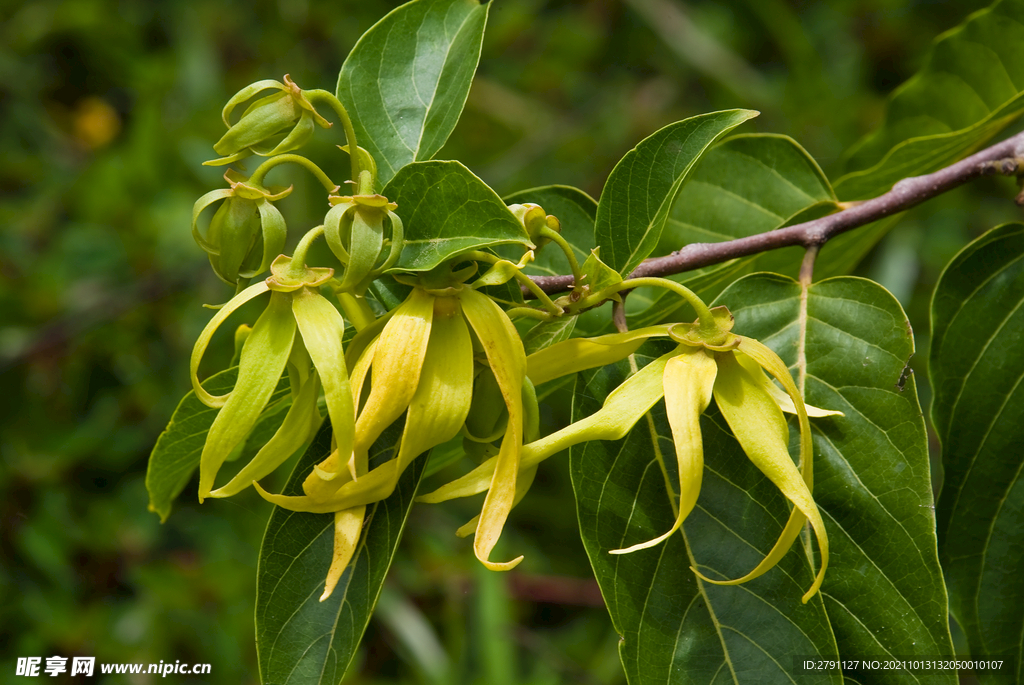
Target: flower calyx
[246, 232]
[357, 229]
[288, 275]
[717, 337]
[280, 122]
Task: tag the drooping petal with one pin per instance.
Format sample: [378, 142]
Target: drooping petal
[523, 482]
[397, 362]
[263, 359]
[761, 430]
[578, 354]
[436, 413]
[292, 433]
[623, 407]
[223, 313]
[688, 379]
[780, 396]
[348, 525]
[507, 360]
[322, 329]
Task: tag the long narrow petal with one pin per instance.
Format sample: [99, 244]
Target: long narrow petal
[688, 379]
[263, 359]
[523, 482]
[322, 329]
[780, 396]
[348, 525]
[197, 209]
[292, 433]
[507, 360]
[578, 354]
[761, 430]
[623, 407]
[397, 361]
[204, 339]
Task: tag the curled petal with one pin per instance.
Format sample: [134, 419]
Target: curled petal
[246, 93]
[197, 209]
[507, 360]
[275, 231]
[688, 379]
[761, 430]
[523, 482]
[204, 339]
[578, 354]
[263, 359]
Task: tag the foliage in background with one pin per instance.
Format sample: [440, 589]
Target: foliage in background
[106, 111]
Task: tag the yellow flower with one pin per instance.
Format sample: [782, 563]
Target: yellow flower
[728, 368]
[300, 330]
[422, 363]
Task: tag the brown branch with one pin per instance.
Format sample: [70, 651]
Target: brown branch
[1005, 158]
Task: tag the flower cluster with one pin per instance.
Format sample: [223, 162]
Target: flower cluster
[447, 361]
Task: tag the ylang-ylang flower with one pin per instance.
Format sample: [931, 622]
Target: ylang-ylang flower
[706, 364]
[419, 360]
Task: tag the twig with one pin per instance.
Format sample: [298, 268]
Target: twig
[1005, 158]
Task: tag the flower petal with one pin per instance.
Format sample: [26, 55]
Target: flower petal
[523, 482]
[348, 525]
[204, 339]
[780, 396]
[688, 381]
[578, 354]
[263, 359]
[292, 433]
[322, 329]
[507, 360]
[761, 430]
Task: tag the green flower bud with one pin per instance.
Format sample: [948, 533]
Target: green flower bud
[536, 222]
[246, 232]
[280, 122]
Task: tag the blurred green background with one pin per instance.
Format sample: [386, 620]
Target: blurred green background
[108, 108]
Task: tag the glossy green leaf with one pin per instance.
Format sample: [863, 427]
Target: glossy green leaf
[883, 593]
[406, 80]
[970, 88]
[447, 210]
[300, 640]
[575, 211]
[976, 368]
[175, 456]
[643, 186]
[745, 185]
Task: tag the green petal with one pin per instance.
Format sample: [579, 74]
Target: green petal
[688, 380]
[761, 430]
[322, 329]
[366, 240]
[263, 359]
[275, 231]
[246, 93]
[197, 209]
[578, 354]
[292, 433]
[507, 360]
[204, 340]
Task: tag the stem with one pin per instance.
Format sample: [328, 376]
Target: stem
[528, 312]
[357, 310]
[298, 265]
[557, 238]
[364, 186]
[262, 169]
[1005, 158]
[707, 319]
[524, 281]
[346, 123]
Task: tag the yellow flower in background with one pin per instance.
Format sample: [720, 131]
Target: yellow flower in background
[422, 363]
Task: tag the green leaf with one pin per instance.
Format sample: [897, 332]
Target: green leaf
[447, 210]
[575, 211]
[970, 88]
[745, 185]
[175, 456]
[406, 80]
[300, 640]
[978, 411]
[641, 189]
[883, 592]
